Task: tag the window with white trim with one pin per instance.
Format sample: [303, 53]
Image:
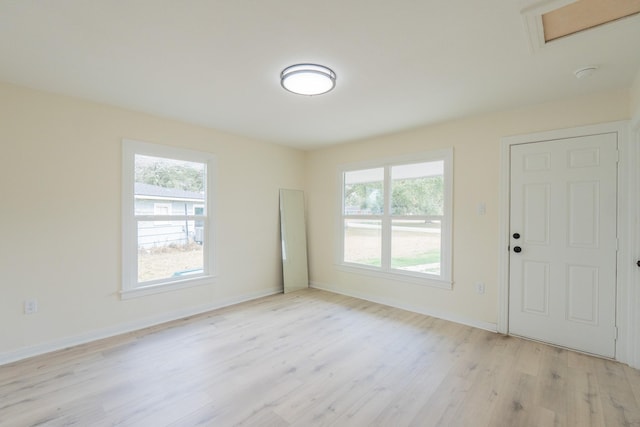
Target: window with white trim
[167, 227]
[396, 217]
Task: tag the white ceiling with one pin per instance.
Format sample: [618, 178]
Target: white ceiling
[400, 64]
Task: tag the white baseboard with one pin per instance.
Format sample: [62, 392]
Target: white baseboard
[440, 314]
[36, 350]
[39, 349]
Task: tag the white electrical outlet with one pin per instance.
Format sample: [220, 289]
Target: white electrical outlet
[30, 306]
[480, 288]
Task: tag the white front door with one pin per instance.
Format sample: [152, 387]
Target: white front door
[563, 243]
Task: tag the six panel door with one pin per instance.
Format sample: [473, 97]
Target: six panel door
[563, 245]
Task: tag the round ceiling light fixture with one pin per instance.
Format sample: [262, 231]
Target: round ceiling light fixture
[308, 79]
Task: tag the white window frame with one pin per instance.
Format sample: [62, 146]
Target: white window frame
[130, 286]
[444, 279]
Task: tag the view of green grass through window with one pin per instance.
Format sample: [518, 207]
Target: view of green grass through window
[399, 232]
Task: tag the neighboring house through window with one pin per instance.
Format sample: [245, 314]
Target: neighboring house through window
[396, 218]
[167, 227]
[159, 209]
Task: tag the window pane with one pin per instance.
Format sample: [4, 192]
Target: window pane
[417, 189]
[362, 242]
[169, 250]
[178, 184]
[198, 232]
[363, 192]
[415, 246]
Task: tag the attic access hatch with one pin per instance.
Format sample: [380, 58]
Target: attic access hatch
[585, 14]
[547, 21]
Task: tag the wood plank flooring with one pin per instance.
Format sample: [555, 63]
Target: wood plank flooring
[313, 358]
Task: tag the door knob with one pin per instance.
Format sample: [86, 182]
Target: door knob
[638, 263]
[517, 249]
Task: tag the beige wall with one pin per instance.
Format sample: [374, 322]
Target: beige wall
[476, 144]
[635, 99]
[60, 216]
[60, 168]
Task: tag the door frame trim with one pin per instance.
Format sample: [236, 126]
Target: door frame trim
[627, 304]
[634, 274]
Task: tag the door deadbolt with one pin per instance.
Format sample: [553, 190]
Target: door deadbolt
[516, 235]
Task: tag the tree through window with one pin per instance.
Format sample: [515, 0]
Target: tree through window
[396, 217]
[166, 221]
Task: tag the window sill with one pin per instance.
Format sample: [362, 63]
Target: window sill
[157, 288]
[397, 276]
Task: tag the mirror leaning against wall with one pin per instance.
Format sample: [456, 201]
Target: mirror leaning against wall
[294, 240]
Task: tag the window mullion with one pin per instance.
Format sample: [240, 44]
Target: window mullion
[386, 221]
[170, 217]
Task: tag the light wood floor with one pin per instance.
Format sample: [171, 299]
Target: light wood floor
[313, 358]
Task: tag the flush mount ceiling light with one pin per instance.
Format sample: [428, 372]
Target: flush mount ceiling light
[308, 79]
